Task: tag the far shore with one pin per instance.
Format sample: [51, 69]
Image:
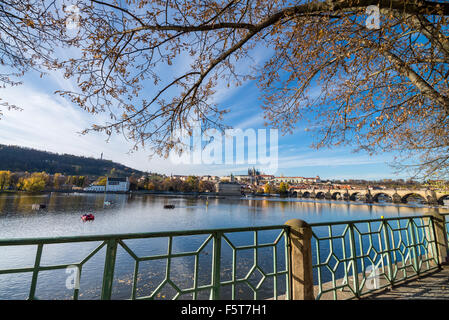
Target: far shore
[136, 192]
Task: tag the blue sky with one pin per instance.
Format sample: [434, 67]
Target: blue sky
[50, 122]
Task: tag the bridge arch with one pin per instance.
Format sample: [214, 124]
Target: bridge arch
[337, 196]
[406, 198]
[442, 198]
[355, 196]
[320, 195]
[382, 196]
[306, 194]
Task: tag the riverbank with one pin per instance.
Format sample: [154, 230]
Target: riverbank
[212, 195]
[112, 192]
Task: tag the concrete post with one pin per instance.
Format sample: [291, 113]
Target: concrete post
[440, 237]
[300, 277]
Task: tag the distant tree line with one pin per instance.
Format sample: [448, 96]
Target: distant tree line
[163, 183]
[20, 159]
[43, 181]
[39, 181]
[270, 188]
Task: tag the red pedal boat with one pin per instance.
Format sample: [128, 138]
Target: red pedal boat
[88, 217]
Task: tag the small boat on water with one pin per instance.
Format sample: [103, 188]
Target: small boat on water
[37, 206]
[169, 206]
[88, 217]
[107, 203]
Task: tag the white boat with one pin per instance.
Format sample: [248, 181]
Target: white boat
[38, 206]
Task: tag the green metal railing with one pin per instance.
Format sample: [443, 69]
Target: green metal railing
[350, 258]
[219, 238]
[357, 257]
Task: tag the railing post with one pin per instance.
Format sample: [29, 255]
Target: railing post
[355, 268]
[440, 236]
[386, 235]
[413, 229]
[109, 265]
[35, 271]
[215, 292]
[300, 275]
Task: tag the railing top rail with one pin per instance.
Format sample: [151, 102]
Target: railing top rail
[321, 224]
[126, 236]
[160, 234]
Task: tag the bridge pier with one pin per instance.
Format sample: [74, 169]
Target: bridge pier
[432, 200]
[396, 198]
[369, 198]
[328, 195]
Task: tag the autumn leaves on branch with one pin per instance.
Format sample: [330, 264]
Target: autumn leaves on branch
[153, 66]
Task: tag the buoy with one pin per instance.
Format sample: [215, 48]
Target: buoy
[381, 217]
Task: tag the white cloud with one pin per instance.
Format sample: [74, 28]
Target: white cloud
[254, 122]
[48, 122]
[319, 159]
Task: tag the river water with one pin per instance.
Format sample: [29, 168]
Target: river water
[145, 213]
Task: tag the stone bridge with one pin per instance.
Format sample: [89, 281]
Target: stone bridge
[432, 197]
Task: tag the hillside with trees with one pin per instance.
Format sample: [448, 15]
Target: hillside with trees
[20, 159]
